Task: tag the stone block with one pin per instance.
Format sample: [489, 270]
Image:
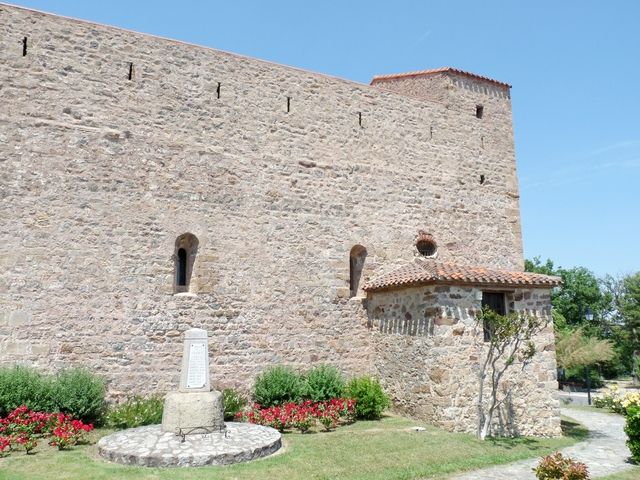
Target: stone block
[19, 318]
[40, 349]
[187, 410]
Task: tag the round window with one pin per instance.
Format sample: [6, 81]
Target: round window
[426, 245]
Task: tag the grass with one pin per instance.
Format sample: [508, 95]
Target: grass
[385, 449]
[631, 474]
[589, 408]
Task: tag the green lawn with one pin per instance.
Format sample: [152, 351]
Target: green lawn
[631, 474]
[384, 449]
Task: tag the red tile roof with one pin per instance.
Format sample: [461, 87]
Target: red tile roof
[421, 73]
[424, 272]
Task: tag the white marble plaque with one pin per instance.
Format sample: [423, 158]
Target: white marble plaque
[197, 367]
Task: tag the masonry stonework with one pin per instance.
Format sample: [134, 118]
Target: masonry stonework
[431, 335]
[114, 144]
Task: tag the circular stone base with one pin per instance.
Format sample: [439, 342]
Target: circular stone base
[151, 447]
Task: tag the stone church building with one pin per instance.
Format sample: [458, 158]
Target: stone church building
[148, 186]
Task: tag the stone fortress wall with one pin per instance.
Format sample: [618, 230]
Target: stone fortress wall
[115, 143]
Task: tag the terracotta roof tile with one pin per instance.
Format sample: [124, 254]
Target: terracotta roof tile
[424, 272]
[420, 73]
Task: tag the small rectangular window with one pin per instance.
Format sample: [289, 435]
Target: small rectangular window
[494, 301]
[479, 111]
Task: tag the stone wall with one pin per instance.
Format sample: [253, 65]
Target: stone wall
[429, 348]
[267, 165]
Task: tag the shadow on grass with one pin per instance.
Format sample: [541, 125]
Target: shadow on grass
[570, 429]
[512, 442]
[574, 430]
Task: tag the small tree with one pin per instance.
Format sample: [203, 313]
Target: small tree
[575, 349]
[630, 310]
[510, 339]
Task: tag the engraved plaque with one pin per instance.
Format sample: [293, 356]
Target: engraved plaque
[197, 367]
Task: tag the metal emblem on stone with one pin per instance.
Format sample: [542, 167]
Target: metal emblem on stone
[193, 432]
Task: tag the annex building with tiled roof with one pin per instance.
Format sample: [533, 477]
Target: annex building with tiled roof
[150, 186]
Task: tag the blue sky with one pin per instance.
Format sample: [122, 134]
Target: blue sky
[574, 66]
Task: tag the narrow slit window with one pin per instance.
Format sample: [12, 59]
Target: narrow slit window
[181, 281]
[357, 258]
[479, 111]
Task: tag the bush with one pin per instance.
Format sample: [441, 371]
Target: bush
[611, 399]
[24, 386]
[632, 429]
[617, 402]
[324, 382]
[555, 466]
[79, 393]
[234, 402]
[278, 385]
[74, 391]
[136, 412]
[370, 398]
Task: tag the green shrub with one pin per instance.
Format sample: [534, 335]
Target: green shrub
[74, 391]
[80, 393]
[278, 385]
[632, 429]
[371, 399]
[234, 402]
[135, 412]
[24, 386]
[324, 382]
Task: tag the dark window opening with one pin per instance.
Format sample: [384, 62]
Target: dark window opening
[181, 281]
[426, 248]
[482, 179]
[425, 244]
[479, 111]
[494, 301]
[24, 47]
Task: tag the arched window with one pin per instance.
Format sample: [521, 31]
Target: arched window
[184, 256]
[356, 264]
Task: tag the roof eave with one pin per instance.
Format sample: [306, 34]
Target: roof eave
[496, 285]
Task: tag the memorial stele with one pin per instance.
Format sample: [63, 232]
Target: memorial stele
[195, 407]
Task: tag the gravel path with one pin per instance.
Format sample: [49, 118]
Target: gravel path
[604, 451]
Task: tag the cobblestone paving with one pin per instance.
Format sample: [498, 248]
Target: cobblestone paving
[150, 446]
[604, 452]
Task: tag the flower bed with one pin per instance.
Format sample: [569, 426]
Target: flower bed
[24, 427]
[617, 402]
[302, 416]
